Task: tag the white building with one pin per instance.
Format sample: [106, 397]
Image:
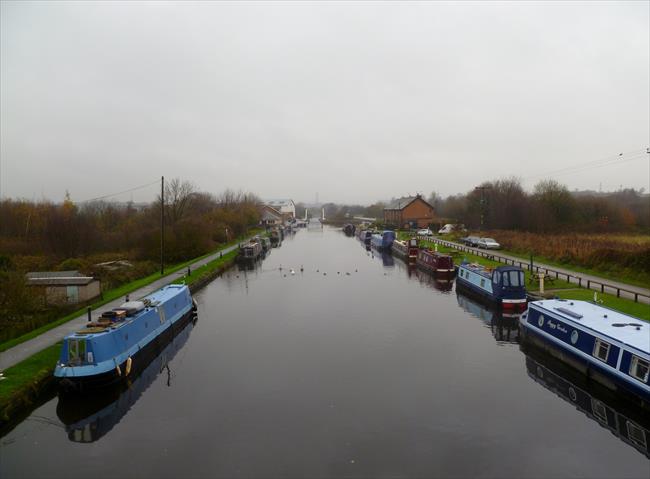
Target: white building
[286, 207]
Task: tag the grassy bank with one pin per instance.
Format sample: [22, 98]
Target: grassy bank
[26, 381]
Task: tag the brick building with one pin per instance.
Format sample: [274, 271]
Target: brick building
[409, 212]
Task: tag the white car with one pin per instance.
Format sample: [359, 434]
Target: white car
[425, 232]
[488, 243]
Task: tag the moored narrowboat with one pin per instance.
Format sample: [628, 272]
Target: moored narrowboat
[349, 229]
[110, 348]
[610, 347]
[365, 236]
[503, 285]
[407, 250]
[266, 244]
[435, 262]
[274, 236]
[250, 251]
[383, 241]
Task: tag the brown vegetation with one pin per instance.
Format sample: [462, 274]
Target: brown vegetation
[38, 236]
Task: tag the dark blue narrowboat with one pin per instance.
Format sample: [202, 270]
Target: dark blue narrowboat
[407, 250]
[503, 285]
[624, 419]
[610, 347]
[349, 229]
[112, 347]
[383, 241]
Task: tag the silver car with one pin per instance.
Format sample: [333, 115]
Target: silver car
[488, 243]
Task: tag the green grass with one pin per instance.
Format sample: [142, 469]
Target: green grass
[204, 271]
[614, 274]
[638, 310]
[28, 372]
[111, 295]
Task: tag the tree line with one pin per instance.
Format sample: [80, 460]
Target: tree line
[43, 235]
[551, 207]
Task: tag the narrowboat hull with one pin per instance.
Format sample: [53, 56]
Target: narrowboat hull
[571, 342]
[124, 340]
[435, 263]
[139, 361]
[475, 281]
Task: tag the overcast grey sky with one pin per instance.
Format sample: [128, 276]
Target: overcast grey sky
[356, 101]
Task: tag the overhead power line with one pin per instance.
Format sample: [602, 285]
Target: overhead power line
[156, 182]
[608, 161]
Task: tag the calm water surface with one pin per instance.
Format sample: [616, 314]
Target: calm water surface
[355, 367]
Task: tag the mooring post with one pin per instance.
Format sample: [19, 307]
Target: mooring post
[188, 271]
[88, 314]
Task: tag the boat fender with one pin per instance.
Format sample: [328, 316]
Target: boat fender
[118, 370]
[129, 362]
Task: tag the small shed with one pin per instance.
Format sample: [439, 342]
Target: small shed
[64, 287]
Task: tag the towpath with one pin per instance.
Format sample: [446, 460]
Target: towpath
[24, 350]
[595, 283]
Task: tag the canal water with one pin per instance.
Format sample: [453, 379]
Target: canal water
[355, 366]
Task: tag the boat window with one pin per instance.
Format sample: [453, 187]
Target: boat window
[639, 368]
[636, 434]
[505, 279]
[482, 282]
[515, 278]
[601, 350]
[76, 350]
[496, 277]
[599, 410]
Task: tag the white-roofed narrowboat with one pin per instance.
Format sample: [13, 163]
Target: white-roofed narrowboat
[610, 347]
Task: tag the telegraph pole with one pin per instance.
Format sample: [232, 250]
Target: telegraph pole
[162, 225]
[482, 190]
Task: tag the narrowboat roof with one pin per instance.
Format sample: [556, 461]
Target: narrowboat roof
[482, 270]
[621, 327]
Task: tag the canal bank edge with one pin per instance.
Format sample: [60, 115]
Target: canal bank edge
[29, 393]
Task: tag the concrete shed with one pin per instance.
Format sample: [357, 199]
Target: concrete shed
[64, 287]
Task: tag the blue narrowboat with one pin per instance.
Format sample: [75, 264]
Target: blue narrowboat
[610, 347]
[88, 417]
[383, 241]
[503, 285]
[625, 420]
[111, 347]
[365, 236]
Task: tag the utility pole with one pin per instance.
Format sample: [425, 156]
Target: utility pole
[162, 225]
[482, 190]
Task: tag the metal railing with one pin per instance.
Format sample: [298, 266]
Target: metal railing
[571, 278]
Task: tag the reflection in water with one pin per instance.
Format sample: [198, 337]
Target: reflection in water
[443, 283]
[504, 326]
[625, 420]
[89, 417]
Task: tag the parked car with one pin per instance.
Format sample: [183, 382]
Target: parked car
[488, 243]
[470, 240]
[425, 232]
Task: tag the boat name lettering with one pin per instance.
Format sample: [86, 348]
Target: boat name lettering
[557, 326]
